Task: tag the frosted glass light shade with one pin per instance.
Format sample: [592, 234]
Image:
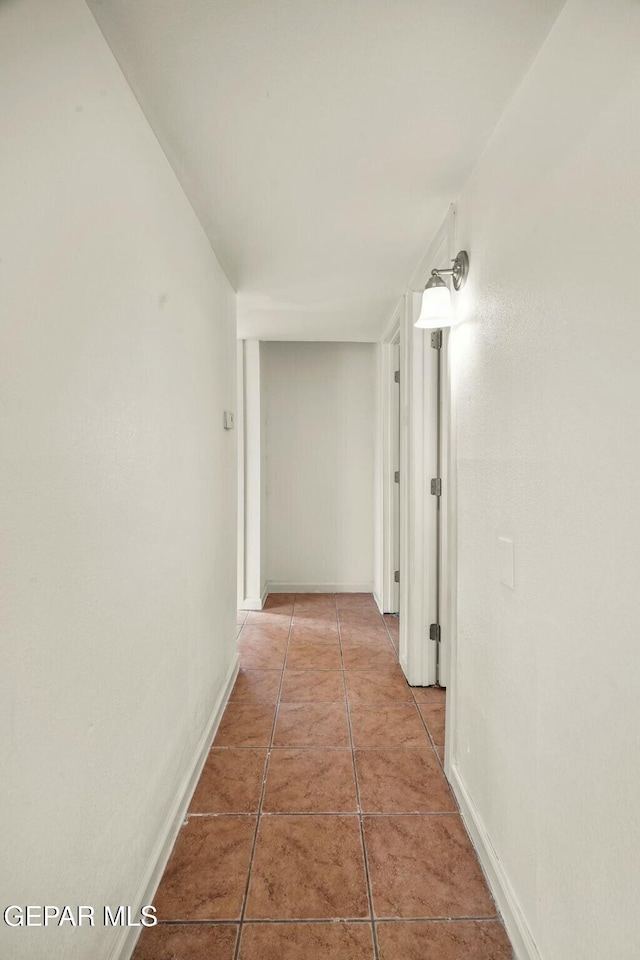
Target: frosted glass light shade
[437, 310]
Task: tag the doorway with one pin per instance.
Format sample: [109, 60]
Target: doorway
[390, 377]
[425, 594]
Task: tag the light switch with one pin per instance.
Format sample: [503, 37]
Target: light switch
[505, 561]
[229, 420]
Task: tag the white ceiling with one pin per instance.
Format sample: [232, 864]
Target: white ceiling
[321, 141]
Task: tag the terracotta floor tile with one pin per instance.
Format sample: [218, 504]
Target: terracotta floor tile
[322, 604]
[267, 628]
[313, 631]
[356, 610]
[354, 626]
[442, 940]
[357, 601]
[387, 725]
[434, 717]
[257, 654]
[392, 624]
[310, 781]
[402, 781]
[256, 686]
[429, 694]
[315, 597]
[359, 613]
[380, 686]
[231, 781]
[245, 725]
[357, 635]
[315, 614]
[206, 876]
[306, 941]
[316, 656]
[193, 941]
[315, 617]
[311, 725]
[279, 601]
[319, 685]
[308, 868]
[424, 867]
[368, 658]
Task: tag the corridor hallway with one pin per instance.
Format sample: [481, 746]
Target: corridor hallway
[323, 799]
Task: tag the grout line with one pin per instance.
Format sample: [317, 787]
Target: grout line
[431, 740]
[242, 626]
[262, 792]
[395, 646]
[372, 921]
[357, 786]
[328, 813]
[324, 920]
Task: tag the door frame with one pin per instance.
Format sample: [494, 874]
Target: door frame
[390, 427]
[418, 516]
[421, 596]
[442, 250]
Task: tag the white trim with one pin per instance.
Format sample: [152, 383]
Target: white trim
[252, 603]
[125, 943]
[254, 479]
[275, 586]
[388, 429]
[240, 430]
[418, 509]
[514, 919]
[385, 589]
[449, 531]
[393, 327]
[419, 519]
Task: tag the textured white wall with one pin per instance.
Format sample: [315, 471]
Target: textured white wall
[320, 431]
[548, 393]
[118, 483]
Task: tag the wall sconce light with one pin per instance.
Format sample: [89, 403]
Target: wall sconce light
[437, 310]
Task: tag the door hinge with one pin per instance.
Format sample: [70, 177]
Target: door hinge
[396, 476]
[434, 632]
[396, 376]
[436, 487]
[436, 339]
[396, 576]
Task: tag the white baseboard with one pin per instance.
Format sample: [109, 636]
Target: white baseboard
[514, 920]
[124, 945]
[253, 603]
[378, 601]
[275, 586]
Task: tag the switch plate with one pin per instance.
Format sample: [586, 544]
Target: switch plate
[229, 420]
[506, 561]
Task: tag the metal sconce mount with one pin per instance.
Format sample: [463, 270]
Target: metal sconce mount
[458, 272]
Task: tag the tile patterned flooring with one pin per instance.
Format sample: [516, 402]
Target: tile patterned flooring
[322, 827]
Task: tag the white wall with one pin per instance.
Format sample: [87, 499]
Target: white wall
[118, 482]
[548, 392]
[320, 432]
